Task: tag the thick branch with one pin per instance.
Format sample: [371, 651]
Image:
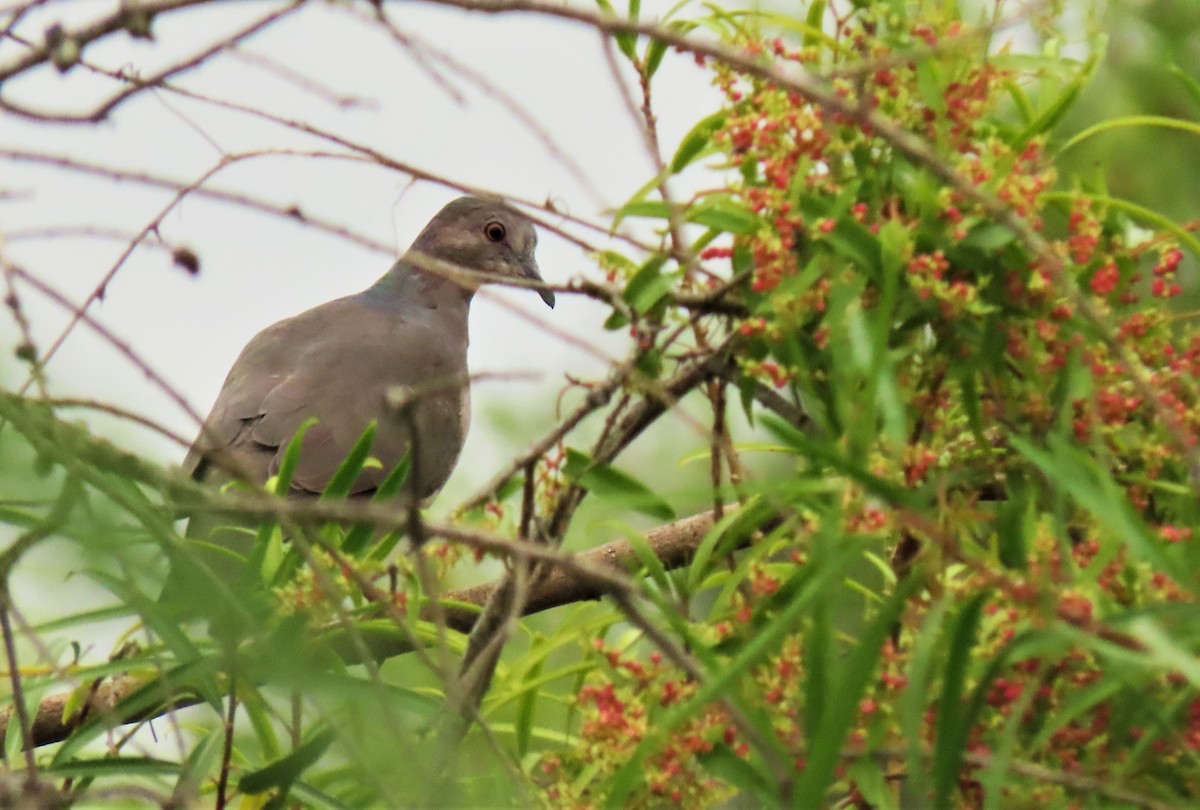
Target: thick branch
[673, 543]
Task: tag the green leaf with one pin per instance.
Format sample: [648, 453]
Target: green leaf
[352, 466]
[525, 710]
[846, 689]
[913, 702]
[360, 534]
[727, 766]
[609, 483]
[630, 207]
[650, 209]
[648, 285]
[1049, 117]
[723, 214]
[1127, 121]
[815, 32]
[1189, 83]
[697, 140]
[1014, 524]
[826, 454]
[872, 783]
[125, 767]
[199, 764]
[724, 535]
[929, 84]
[989, 236]
[626, 42]
[646, 556]
[952, 724]
[291, 458]
[283, 772]
[852, 241]
[260, 720]
[316, 798]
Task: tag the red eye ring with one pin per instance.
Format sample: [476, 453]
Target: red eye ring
[495, 231]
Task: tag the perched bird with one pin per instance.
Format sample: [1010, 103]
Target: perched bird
[338, 362]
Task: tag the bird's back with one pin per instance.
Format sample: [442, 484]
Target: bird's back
[337, 363]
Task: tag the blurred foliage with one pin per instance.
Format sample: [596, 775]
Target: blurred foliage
[973, 584]
[1150, 67]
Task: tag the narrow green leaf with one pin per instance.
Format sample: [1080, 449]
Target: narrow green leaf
[813, 22]
[1052, 114]
[650, 209]
[283, 772]
[724, 534]
[360, 534]
[727, 766]
[199, 764]
[1128, 121]
[629, 208]
[1014, 524]
[989, 236]
[840, 710]
[951, 728]
[125, 767]
[526, 709]
[197, 676]
[825, 454]
[929, 84]
[913, 701]
[628, 42]
[260, 720]
[609, 483]
[352, 466]
[291, 458]
[697, 140]
[648, 285]
[723, 214]
[316, 798]
[1189, 83]
[646, 557]
[280, 484]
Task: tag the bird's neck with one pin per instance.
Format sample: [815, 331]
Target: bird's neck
[407, 283]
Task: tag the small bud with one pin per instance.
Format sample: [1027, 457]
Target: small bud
[26, 353]
[187, 259]
[65, 55]
[63, 51]
[55, 34]
[137, 21]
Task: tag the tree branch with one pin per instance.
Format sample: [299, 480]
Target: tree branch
[673, 543]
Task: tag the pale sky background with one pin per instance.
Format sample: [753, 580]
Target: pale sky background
[256, 269]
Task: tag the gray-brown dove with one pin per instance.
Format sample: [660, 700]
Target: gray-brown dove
[338, 361]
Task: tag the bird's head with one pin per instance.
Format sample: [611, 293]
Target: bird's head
[482, 235]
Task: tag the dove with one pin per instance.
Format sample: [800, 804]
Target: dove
[346, 362]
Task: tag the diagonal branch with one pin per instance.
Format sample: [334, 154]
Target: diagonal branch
[673, 543]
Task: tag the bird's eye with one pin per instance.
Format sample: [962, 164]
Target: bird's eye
[495, 231]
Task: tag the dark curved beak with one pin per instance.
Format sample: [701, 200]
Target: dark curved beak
[529, 269]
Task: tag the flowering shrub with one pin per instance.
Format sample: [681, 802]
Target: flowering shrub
[991, 508]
